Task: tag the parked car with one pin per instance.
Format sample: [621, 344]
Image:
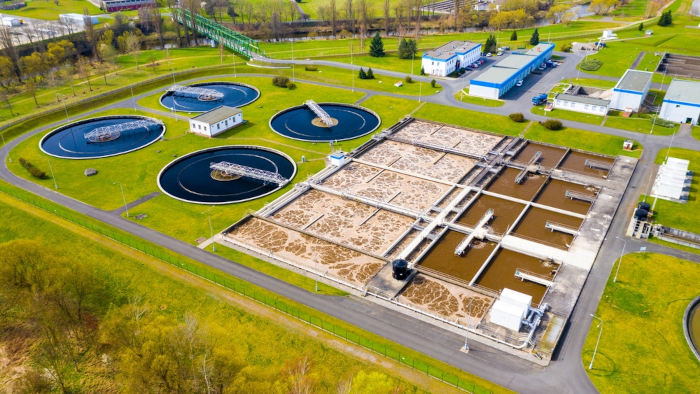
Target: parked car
[519, 83]
[488, 54]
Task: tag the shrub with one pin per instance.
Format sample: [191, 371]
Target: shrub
[552, 124]
[409, 79]
[664, 123]
[280, 81]
[590, 64]
[36, 173]
[433, 84]
[291, 86]
[517, 117]
[311, 68]
[566, 47]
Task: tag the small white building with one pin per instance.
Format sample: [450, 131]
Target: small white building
[630, 91]
[78, 20]
[11, 21]
[608, 35]
[450, 57]
[337, 159]
[510, 309]
[585, 104]
[682, 102]
[216, 121]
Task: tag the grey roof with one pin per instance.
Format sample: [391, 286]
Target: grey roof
[515, 60]
[582, 99]
[634, 80]
[450, 49]
[496, 74]
[683, 91]
[217, 114]
[539, 48]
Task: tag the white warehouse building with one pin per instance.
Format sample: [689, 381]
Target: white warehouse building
[630, 91]
[682, 102]
[216, 121]
[585, 104]
[450, 57]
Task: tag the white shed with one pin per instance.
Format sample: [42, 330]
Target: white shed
[510, 309]
[216, 121]
[630, 91]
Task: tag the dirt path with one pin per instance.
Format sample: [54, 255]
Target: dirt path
[391, 367]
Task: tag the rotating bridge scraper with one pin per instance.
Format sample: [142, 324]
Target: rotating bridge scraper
[231, 39]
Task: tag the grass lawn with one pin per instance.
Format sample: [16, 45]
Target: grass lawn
[389, 62]
[49, 10]
[567, 115]
[182, 220]
[673, 214]
[466, 98]
[636, 8]
[642, 347]
[649, 62]
[640, 125]
[464, 117]
[695, 131]
[260, 337]
[595, 83]
[582, 139]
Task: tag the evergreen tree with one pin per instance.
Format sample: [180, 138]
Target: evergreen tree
[376, 48]
[407, 48]
[535, 39]
[641, 26]
[666, 19]
[370, 74]
[422, 71]
[362, 75]
[514, 36]
[491, 44]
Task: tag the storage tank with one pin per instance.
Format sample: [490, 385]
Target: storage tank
[401, 270]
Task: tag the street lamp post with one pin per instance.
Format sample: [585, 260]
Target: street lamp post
[64, 103]
[3, 144]
[211, 234]
[595, 350]
[126, 206]
[622, 253]
[466, 332]
[55, 185]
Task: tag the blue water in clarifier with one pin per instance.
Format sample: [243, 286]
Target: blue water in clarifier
[235, 95]
[353, 122]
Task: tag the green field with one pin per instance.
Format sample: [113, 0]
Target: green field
[582, 139]
[642, 347]
[49, 10]
[634, 8]
[255, 348]
[639, 124]
[467, 118]
[677, 215]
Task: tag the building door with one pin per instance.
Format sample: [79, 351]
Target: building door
[688, 120]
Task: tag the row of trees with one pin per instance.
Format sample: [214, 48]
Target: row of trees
[82, 329]
[491, 44]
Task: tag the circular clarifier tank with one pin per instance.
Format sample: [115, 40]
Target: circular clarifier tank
[203, 97]
[102, 137]
[344, 122]
[226, 174]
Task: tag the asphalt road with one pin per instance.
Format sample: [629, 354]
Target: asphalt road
[565, 374]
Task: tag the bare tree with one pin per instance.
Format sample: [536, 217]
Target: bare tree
[193, 7]
[84, 68]
[350, 16]
[157, 21]
[90, 34]
[387, 17]
[334, 15]
[10, 50]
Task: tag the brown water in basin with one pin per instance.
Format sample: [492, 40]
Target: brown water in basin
[550, 155]
[576, 161]
[441, 256]
[532, 227]
[500, 274]
[554, 195]
[505, 184]
[505, 212]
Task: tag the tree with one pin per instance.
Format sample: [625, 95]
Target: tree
[30, 87]
[407, 48]
[334, 17]
[7, 71]
[370, 73]
[362, 74]
[387, 17]
[514, 36]
[556, 12]
[491, 45]
[84, 69]
[666, 19]
[535, 38]
[602, 7]
[32, 65]
[130, 43]
[8, 47]
[641, 26]
[90, 34]
[376, 47]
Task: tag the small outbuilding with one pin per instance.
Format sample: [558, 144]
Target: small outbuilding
[682, 102]
[216, 121]
[630, 91]
[78, 20]
[580, 103]
[510, 309]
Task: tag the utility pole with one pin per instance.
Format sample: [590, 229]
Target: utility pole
[126, 206]
[590, 366]
[292, 59]
[352, 71]
[466, 333]
[3, 144]
[211, 234]
[622, 253]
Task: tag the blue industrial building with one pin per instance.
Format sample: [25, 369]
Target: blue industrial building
[502, 76]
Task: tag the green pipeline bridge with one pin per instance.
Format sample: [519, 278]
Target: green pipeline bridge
[237, 42]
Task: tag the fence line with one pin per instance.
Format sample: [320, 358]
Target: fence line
[241, 287]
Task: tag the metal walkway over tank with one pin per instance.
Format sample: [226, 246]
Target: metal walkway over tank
[112, 132]
[196, 92]
[237, 169]
[231, 39]
[323, 115]
[574, 195]
[530, 167]
[598, 165]
[477, 233]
